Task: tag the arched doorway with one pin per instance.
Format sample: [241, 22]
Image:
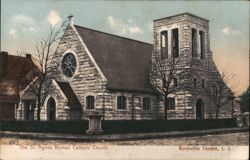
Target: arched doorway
[51, 109]
[200, 109]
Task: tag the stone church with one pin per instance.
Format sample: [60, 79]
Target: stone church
[111, 75]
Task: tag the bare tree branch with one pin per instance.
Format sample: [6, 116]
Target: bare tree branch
[223, 90]
[162, 75]
[44, 55]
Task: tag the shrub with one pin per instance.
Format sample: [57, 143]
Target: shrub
[72, 127]
[144, 126]
[117, 126]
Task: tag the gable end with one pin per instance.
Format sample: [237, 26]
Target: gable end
[89, 54]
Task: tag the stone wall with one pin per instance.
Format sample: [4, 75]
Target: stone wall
[134, 106]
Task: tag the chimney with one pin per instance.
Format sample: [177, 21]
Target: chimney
[71, 17]
[28, 56]
[3, 64]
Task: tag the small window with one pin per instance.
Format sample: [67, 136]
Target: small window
[203, 83]
[146, 103]
[121, 102]
[195, 83]
[175, 43]
[175, 83]
[164, 45]
[171, 104]
[90, 101]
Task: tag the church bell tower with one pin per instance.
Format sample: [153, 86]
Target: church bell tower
[185, 38]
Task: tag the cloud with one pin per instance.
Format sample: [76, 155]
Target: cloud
[12, 32]
[21, 19]
[53, 18]
[124, 28]
[21, 24]
[230, 31]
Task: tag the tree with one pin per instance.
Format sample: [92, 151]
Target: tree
[223, 90]
[43, 56]
[244, 100]
[162, 76]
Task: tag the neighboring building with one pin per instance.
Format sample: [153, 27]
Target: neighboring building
[12, 71]
[112, 74]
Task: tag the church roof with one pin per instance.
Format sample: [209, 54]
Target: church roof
[69, 93]
[126, 63]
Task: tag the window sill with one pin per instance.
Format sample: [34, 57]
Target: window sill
[90, 109]
[121, 109]
[171, 110]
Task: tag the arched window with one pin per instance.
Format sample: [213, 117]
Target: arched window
[195, 83]
[175, 43]
[90, 102]
[203, 83]
[199, 109]
[194, 43]
[164, 44]
[121, 102]
[146, 103]
[175, 82]
[202, 44]
[171, 104]
[51, 109]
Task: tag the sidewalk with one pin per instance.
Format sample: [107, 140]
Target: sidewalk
[114, 137]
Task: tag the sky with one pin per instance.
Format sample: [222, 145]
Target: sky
[23, 22]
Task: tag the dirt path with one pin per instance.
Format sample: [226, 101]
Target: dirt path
[221, 139]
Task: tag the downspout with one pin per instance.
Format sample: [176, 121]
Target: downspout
[103, 106]
[233, 99]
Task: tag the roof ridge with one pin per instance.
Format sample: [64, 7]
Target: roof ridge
[183, 13]
[16, 56]
[22, 58]
[61, 82]
[176, 15]
[68, 91]
[113, 35]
